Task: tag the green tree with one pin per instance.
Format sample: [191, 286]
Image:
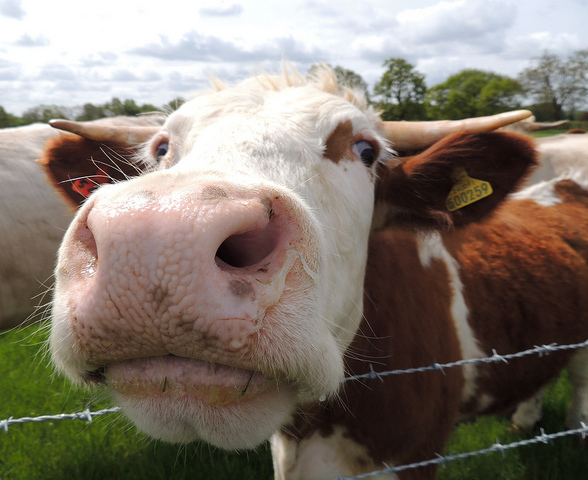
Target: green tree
[562, 84]
[44, 113]
[401, 91]
[91, 112]
[8, 120]
[346, 78]
[129, 107]
[473, 93]
[173, 105]
[349, 78]
[115, 107]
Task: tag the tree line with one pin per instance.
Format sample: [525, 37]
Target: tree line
[552, 87]
[44, 113]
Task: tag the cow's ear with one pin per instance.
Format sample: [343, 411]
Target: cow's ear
[459, 180]
[76, 166]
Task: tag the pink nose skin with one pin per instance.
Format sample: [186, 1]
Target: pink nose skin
[191, 272]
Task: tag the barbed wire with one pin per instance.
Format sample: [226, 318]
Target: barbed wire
[439, 460]
[497, 447]
[495, 358]
[86, 415]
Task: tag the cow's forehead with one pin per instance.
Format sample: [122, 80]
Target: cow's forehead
[307, 105]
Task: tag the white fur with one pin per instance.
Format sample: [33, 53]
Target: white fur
[541, 193]
[559, 155]
[265, 135]
[529, 412]
[321, 458]
[431, 247]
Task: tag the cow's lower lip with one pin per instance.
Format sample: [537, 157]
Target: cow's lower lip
[177, 378]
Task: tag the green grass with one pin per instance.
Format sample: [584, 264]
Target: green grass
[110, 448]
[548, 133]
[565, 458]
[568, 126]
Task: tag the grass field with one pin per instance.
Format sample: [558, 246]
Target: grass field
[548, 133]
[109, 448]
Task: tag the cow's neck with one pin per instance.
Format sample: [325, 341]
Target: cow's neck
[407, 323]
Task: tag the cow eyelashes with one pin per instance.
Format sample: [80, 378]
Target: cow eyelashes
[365, 151]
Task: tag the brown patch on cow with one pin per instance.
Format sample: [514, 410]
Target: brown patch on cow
[76, 165]
[241, 288]
[407, 323]
[339, 141]
[526, 283]
[212, 192]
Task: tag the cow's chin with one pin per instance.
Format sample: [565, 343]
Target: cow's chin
[181, 400]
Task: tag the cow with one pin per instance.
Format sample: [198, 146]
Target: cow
[529, 125]
[33, 217]
[559, 155]
[275, 245]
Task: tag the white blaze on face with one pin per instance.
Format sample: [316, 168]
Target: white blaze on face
[217, 292]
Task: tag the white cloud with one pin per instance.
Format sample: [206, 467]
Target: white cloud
[27, 40]
[458, 21]
[222, 10]
[99, 59]
[154, 52]
[57, 72]
[9, 71]
[533, 45]
[126, 75]
[197, 47]
[471, 26]
[12, 9]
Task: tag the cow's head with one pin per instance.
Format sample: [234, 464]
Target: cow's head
[218, 291]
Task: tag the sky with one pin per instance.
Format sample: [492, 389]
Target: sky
[62, 52]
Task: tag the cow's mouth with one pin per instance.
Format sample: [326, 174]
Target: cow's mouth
[176, 378]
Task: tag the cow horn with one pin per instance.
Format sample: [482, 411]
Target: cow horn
[421, 135]
[547, 126]
[107, 133]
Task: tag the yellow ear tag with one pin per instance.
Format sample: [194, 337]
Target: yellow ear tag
[466, 190]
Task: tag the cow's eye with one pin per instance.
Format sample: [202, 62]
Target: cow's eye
[366, 151]
[161, 150]
[160, 146]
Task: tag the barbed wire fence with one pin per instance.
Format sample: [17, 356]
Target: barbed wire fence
[88, 416]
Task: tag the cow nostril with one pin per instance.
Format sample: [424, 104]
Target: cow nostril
[87, 249]
[248, 249]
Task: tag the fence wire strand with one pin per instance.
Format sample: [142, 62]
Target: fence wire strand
[495, 358]
[88, 416]
[497, 447]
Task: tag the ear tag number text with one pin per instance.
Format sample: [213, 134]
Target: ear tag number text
[466, 190]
